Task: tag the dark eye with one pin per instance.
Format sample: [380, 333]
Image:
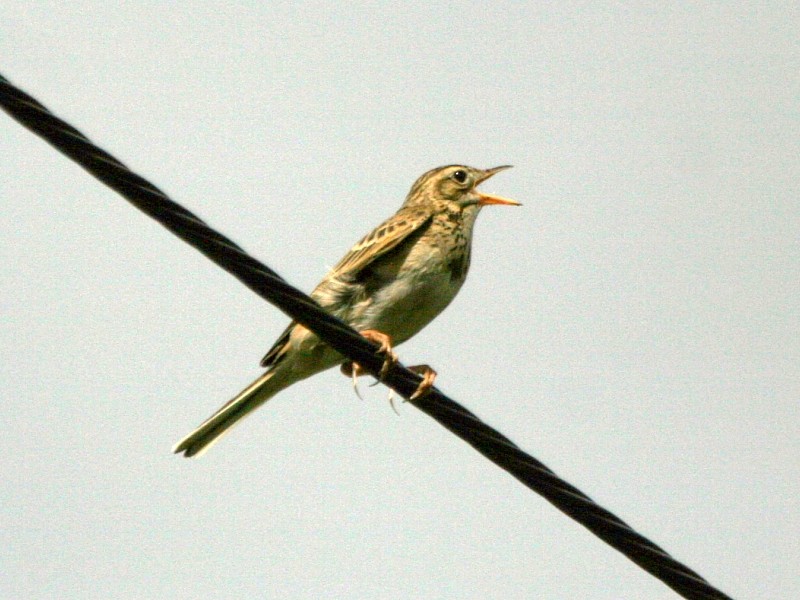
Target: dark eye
[460, 176]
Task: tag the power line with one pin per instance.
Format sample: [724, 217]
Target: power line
[270, 286]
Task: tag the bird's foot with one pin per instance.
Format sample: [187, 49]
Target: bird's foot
[354, 371]
[428, 377]
[385, 347]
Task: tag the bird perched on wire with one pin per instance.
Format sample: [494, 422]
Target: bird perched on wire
[388, 287]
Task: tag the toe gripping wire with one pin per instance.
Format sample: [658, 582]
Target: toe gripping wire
[297, 305]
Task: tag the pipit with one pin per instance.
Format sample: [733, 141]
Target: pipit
[388, 287]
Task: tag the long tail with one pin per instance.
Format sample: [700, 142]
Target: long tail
[249, 399]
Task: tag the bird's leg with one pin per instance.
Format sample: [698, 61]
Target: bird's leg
[354, 370]
[385, 347]
[428, 377]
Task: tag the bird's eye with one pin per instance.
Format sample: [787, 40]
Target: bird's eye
[460, 176]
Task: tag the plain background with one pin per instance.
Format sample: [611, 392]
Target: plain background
[634, 325]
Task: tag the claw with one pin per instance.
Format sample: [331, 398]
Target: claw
[350, 369]
[353, 370]
[385, 347]
[355, 386]
[428, 377]
[391, 401]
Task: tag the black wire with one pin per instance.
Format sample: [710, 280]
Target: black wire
[267, 284]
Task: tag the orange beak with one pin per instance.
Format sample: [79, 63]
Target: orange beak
[486, 198]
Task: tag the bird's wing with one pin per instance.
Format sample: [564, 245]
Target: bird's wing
[278, 348]
[377, 243]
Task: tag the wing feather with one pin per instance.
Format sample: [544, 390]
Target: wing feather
[385, 237]
[379, 241]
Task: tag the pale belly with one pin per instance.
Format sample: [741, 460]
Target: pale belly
[400, 310]
[407, 295]
[411, 301]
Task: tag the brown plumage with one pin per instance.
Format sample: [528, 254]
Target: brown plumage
[389, 285]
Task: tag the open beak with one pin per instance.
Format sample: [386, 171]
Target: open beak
[485, 199]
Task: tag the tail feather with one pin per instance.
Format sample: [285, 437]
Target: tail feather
[233, 411]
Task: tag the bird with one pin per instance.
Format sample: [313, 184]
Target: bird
[390, 285]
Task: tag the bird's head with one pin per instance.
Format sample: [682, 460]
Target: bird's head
[456, 187]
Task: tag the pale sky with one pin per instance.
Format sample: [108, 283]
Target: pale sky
[635, 325]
